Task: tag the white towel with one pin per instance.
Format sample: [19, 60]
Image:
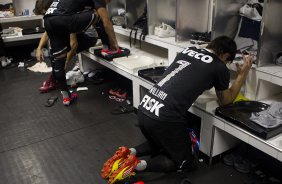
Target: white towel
[40, 67]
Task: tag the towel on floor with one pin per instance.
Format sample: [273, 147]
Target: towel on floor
[40, 67]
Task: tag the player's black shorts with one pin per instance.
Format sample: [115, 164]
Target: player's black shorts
[85, 41]
[172, 137]
[59, 29]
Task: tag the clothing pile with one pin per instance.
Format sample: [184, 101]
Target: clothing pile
[12, 32]
[5, 4]
[5, 8]
[5, 14]
[248, 33]
[74, 77]
[269, 118]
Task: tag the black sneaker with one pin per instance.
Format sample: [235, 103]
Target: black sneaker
[243, 166]
[95, 77]
[231, 158]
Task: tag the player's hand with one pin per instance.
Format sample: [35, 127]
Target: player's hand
[39, 55]
[243, 69]
[115, 47]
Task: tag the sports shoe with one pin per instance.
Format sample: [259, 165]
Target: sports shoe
[6, 61]
[166, 31]
[243, 166]
[94, 77]
[121, 95]
[200, 37]
[67, 101]
[158, 28]
[117, 94]
[48, 85]
[114, 162]
[118, 20]
[9, 60]
[125, 170]
[113, 92]
[231, 159]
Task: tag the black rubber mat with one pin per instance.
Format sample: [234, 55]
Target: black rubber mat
[152, 74]
[239, 113]
[68, 145]
[25, 119]
[75, 157]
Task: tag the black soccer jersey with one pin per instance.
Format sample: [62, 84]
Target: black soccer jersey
[192, 72]
[69, 7]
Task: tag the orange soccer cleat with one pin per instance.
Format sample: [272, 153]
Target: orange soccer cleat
[114, 162]
[125, 170]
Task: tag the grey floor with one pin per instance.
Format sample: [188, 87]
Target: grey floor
[68, 145]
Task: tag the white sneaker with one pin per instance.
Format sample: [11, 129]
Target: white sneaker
[9, 60]
[21, 65]
[158, 28]
[166, 31]
[6, 61]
